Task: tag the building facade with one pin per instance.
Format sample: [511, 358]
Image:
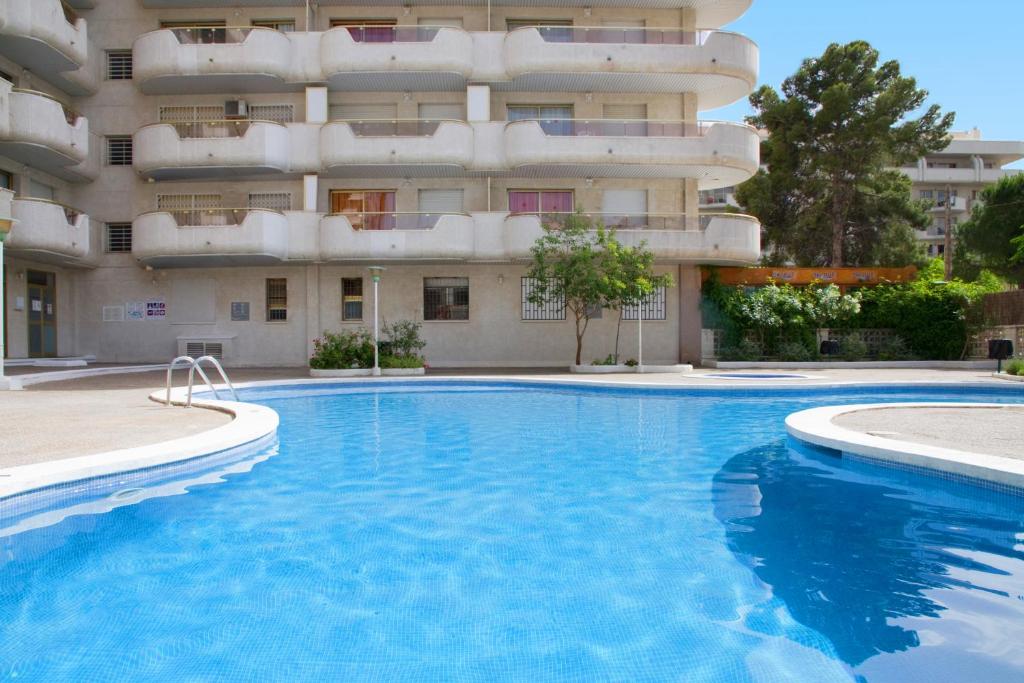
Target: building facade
[216, 177]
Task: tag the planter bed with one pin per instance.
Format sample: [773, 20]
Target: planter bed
[366, 372]
[855, 365]
[627, 369]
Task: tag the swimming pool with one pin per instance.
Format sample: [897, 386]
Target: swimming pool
[480, 532]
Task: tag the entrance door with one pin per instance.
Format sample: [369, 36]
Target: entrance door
[42, 314]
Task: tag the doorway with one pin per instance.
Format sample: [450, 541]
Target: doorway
[42, 314]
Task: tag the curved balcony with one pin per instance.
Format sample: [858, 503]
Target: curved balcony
[206, 149]
[39, 131]
[210, 237]
[48, 232]
[719, 66]
[396, 236]
[722, 239]
[396, 57]
[46, 37]
[718, 154]
[396, 148]
[198, 59]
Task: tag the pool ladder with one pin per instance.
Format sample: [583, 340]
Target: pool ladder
[194, 365]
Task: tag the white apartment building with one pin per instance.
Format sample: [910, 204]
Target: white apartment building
[216, 176]
[960, 172]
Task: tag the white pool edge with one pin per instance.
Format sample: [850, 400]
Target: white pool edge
[816, 427]
[251, 423]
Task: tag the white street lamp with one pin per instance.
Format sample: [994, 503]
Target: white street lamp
[375, 272]
[5, 228]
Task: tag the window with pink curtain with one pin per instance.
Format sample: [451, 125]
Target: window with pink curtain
[523, 202]
[556, 202]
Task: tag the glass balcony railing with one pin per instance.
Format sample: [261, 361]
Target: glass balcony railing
[392, 34]
[213, 35]
[226, 128]
[393, 220]
[367, 128]
[620, 128]
[193, 218]
[619, 221]
[622, 35]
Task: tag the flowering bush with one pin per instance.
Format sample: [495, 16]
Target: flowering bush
[342, 351]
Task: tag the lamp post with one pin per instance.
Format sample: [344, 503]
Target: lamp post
[5, 228]
[640, 335]
[375, 272]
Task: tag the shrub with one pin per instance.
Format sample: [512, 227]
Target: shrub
[795, 352]
[745, 350]
[401, 339]
[631, 363]
[895, 348]
[401, 362]
[852, 348]
[342, 350]
[608, 360]
[1015, 367]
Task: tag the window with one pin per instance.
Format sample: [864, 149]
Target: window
[451, 22]
[441, 201]
[119, 150]
[282, 25]
[279, 113]
[6, 181]
[277, 299]
[540, 201]
[351, 298]
[277, 201]
[928, 194]
[553, 308]
[446, 298]
[553, 30]
[653, 307]
[366, 209]
[369, 30]
[119, 65]
[119, 238]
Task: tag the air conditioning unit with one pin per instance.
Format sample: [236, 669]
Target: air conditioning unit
[235, 109]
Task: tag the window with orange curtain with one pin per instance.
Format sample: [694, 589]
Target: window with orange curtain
[366, 209]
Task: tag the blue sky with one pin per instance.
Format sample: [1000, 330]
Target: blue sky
[968, 55]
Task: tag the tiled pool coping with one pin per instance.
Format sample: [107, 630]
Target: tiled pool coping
[816, 427]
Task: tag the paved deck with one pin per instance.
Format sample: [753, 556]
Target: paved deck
[991, 431]
[92, 415]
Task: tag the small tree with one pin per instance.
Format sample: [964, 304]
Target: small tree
[994, 236]
[630, 278]
[569, 266]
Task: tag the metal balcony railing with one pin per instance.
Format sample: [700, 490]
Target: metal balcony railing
[393, 220]
[619, 127]
[219, 217]
[368, 128]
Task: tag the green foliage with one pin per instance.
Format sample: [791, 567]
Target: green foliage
[607, 360]
[342, 350]
[401, 339]
[1015, 367]
[582, 264]
[895, 349]
[795, 352]
[631, 363]
[390, 361]
[837, 129]
[744, 350]
[936, 319]
[852, 348]
[994, 236]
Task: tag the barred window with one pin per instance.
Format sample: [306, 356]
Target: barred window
[351, 298]
[277, 299]
[277, 201]
[119, 150]
[551, 309]
[281, 113]
[119, 238]
[654, 307]
[119, 65]
[446, 298]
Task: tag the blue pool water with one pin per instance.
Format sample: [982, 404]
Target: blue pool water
[500, 532]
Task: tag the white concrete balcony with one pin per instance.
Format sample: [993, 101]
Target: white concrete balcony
[49, 232]
[200, 149]
[956, 205]
[396, 236]
[49, 39]
[718, 154]
[720, 239]
[396, 148]
[210, 237]
[39, 131]
[217, 60]
[396, 58]
[719, 66]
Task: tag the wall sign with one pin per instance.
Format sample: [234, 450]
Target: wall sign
[239, 311]
[135, 310]
[156, 310]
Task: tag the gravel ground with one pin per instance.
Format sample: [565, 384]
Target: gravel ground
[991, 431]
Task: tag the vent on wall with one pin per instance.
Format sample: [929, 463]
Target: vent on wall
[204, 347]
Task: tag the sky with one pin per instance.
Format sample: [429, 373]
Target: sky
[968, 55]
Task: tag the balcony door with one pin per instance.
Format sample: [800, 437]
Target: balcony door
[42, 314]
[540, 201]
[555, 119]
[366, 209]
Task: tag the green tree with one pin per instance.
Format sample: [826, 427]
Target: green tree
[994, 236]
[629, 278]
[831, 196]
[569, 266]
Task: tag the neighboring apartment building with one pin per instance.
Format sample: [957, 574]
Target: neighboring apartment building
[963, 169]
[235, 170]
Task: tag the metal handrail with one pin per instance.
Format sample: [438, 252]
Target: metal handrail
[180, 360]
[196, 367]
